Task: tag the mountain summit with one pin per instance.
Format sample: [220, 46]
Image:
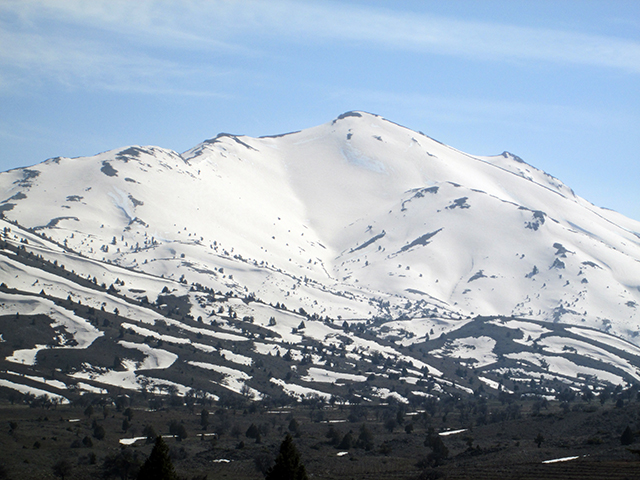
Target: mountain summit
[359, 205]
[358, 220]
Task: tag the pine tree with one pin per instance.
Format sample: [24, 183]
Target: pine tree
[288, 465]
[62, 468]
[347, 442]
[204, 418]
[158, 466]
[150, 433]
[439, 451]
[123, 464]
[4, 473]
[627, 436]
[294, 425]
[252, 431]
[333, 435]
[365, 439]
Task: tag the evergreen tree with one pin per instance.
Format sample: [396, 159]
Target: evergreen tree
[365, 439]
[347, 442]
[252, 431]
[288, 465]
[178, 430]
[62, 468]
[333, 435]
[294, 426]
[439, 451]
[150, 433]
[4, 473]
[204, 418]
[158, 466]
[627, 436]
[123, 465]
[390, 424]
[98, 431]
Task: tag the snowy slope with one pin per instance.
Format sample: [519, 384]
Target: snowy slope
[358, 219]
[361, 206]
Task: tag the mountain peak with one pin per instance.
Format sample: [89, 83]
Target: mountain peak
[352, 113]
[340, 188]
[357, 222]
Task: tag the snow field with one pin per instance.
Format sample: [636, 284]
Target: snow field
[479, 349]
[607, 340]
[233, 379]
[298, 391]
[236, 358]
[561, 345]
[320, 375]
[531, 331]
[81, 330]
[561, 367]
[156, 359]
[32, 391]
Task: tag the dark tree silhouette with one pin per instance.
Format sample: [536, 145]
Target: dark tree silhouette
[263, 462]
[347, 442]
[4, 473]
[288, 465]
[99, 431]
[627, 436]
[178, 430]
[158, 466]
[439, 451]
[150, 433]
[365, 439]
[252, 431]
[294, 426]
[204, 418]
[123, 465]
[390, 424]
[333, 435]
[62, 468]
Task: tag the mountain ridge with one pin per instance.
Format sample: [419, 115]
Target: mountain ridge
[377, 239]
[366, 176]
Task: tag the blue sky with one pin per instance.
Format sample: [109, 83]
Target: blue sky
[555, 82]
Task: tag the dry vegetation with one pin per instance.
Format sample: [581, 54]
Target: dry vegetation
[508, 439]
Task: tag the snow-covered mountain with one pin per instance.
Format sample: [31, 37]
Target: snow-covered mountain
[359, 220]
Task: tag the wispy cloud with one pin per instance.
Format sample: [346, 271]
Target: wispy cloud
[74, 44]
[479, 40]
[361, 26]
[191, 24]
[156, 45]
